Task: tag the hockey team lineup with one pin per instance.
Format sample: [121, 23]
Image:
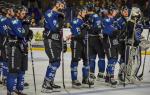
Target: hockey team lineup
[108, 51]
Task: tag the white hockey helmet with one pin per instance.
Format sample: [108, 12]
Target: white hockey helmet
[135, 11]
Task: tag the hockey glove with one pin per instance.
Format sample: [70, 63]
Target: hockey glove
[129, 42]
[101, 36]
[30, 35]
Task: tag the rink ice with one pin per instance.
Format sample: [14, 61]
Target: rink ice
[41, 62]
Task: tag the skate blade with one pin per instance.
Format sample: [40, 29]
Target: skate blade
[110, 85]
[122, 82]
[87, 86]
[56, 90]
[113, 86]
[76, 87]
[100, 79]
[46, 90]
[26, 87]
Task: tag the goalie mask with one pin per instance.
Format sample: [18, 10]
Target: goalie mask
[135, 14]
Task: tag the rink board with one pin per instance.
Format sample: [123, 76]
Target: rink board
[37, 41]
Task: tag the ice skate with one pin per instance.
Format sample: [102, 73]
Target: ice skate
[100, 77]
[86, 82]
[76, 84]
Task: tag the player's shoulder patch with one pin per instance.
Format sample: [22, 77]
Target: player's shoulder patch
[95, 15]
[15, 21]
[107, 19]
[75, 21]
[49, 13]
[1, 16]
[3, 19]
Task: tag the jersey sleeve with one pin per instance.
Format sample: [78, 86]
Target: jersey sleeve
[50, 21]
[17, 28]
[75, 28]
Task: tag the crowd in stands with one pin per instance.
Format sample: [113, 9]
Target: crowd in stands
[37, 9]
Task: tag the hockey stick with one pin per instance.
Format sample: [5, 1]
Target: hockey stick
[33, 67]
[125, 67]
[87, 55]
[1, 73]
[63, 76]
[140, 60]
[141, 75]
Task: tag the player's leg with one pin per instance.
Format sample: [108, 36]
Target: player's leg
[53, 51]
[92, 59]
[76, 56]
[86, 81]
[14, 65]
[121, 62]
[112, 55]
[101, 61]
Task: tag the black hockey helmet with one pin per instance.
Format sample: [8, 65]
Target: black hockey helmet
[20, 8]
[60, 1]
[90, 6]
[81, 9]
[124, 8]
[111, 8]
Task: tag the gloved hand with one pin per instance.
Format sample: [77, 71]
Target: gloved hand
[30, 35]
[129, 42]
[101, 36]
[85, 26]
[115, 42]
[65, 46]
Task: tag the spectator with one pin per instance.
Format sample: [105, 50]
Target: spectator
[35, 14]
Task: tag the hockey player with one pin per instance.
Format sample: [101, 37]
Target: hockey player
[122, 26]
[5, 20]
[52, 42]
[2, 46]
[95, 45]
[78, 49]
[17, 53]
[135, 29]
[111, 43]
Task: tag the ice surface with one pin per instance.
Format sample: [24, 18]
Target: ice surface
[41, 63]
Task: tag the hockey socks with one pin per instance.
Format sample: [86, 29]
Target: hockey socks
[15, 82]
[5, 69]
[85, 71]
[51, 70]
[20, 81]
[92, 64]
[111, 66]
[11, 82]
[101, 65]
[74, 71]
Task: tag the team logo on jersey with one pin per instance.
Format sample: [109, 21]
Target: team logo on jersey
[21, 30]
